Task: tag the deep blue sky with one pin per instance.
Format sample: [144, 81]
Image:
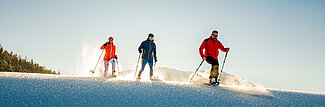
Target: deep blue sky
[277, 43]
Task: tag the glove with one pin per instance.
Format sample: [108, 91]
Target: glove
[105, 44]
[227, 49]
[115, 56]
[204, 58]
[140, 51]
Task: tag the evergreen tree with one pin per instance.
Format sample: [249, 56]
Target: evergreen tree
[10, 62]
[1, 52]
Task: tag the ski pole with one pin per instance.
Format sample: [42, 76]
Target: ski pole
[136, 69]
[224, 60]
[196, 70]
[93, 71]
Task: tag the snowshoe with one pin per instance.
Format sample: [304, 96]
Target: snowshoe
[114, 76]
[213, 84]
[154, 79]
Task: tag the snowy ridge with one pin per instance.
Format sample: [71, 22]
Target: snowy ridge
[295, 91]
[27, 89]
[166, 79]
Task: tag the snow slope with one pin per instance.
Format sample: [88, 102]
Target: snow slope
[21, 89]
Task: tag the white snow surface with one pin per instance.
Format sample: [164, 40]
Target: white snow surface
[170, 89]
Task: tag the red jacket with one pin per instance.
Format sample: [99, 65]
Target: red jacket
[109, 50]
[211, 48]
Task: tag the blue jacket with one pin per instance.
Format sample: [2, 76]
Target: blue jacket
[148, 48]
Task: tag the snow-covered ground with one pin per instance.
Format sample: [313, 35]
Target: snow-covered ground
[22, 89]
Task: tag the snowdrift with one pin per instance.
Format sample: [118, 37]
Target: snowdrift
[169, 75]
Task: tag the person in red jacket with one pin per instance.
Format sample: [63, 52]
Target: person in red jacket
[211, 46]
[110, 56]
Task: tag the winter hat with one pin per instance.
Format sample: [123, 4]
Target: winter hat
[151, 35]
[110, 38]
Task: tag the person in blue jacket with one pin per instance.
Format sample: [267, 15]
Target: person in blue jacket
[148, 48]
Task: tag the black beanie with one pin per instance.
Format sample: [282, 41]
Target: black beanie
[151, 35]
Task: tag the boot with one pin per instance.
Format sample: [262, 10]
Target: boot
[151, 77]
[213, 79]
[138, 77]
[113, 74]
[105, 74]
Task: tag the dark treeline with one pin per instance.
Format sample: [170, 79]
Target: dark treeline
[10, 62]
